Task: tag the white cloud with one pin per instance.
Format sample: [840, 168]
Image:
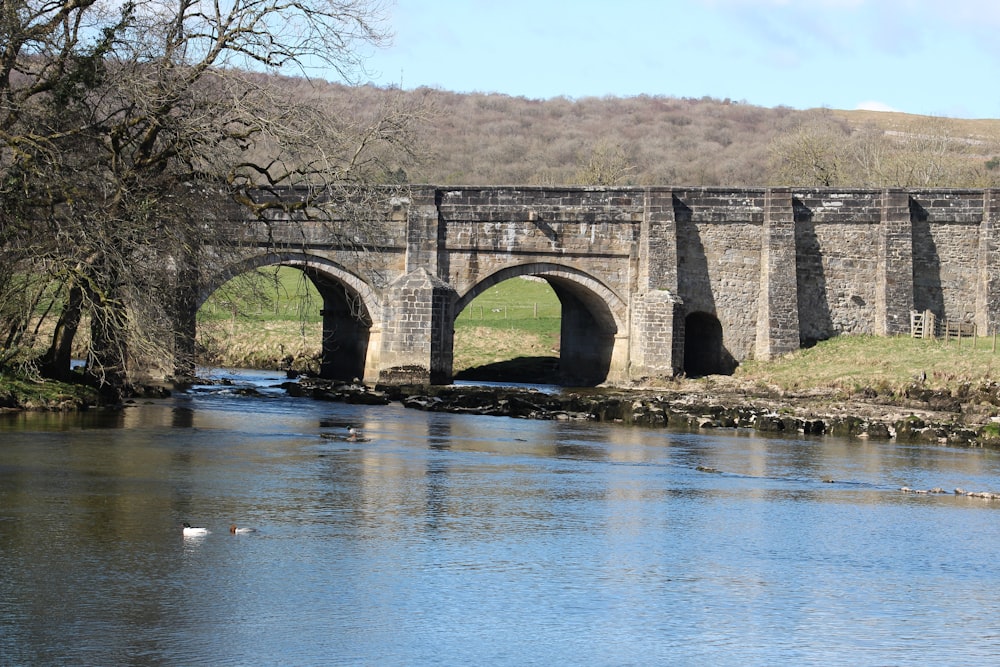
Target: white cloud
[872, 105]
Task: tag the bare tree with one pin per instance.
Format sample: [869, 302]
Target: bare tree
[812, 154]
[870, 153]
[606, 164]
[128, 137]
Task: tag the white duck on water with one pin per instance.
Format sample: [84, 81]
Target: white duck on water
[191, 531]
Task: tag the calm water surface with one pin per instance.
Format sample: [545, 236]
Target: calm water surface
[462, 540]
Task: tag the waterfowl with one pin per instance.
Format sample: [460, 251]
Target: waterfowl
[191, 531]
[354, 435]
[234, 530]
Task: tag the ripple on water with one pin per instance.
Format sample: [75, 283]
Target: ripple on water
[460, 540]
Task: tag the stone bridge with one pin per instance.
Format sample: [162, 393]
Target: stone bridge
[653, 281]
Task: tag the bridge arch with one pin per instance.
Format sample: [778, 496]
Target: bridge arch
[593, 319]
[311, 265]
[352, 313]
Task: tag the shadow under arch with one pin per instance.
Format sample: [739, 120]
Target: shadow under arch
[704, 352]
[592, 316]
[350, 308]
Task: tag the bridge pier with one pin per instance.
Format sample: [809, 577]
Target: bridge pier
[185, 314]
[656, 346]
[656, 323]
[586, 343]
[417, 331]
[346, 332]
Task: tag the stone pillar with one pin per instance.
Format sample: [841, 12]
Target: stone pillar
[988, 287]
[418, 330]
[778, 310]
[894, 280]
[423, 225]
[656, 340]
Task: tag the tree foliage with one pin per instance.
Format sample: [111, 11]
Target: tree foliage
[811, 154]
[606, 165]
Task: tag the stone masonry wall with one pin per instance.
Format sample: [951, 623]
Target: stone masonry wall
[836, 238]
[642, 259]
[489, 229]
[946, 232]
[657, 320]
[718, 260]
[857, 261]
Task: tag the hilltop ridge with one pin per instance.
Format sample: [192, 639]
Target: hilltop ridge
[492, 139]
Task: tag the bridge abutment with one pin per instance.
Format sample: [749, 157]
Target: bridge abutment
[988, 265]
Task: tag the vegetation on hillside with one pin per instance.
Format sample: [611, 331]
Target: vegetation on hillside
[491, 139]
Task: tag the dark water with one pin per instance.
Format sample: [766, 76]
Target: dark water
[460, 540]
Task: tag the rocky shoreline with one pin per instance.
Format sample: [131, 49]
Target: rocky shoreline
[921, 416]
[967, 417]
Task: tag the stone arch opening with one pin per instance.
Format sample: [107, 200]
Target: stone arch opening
[704, 349]
[592, 316]
[349, 311]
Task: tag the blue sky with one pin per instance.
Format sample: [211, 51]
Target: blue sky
[935, 57]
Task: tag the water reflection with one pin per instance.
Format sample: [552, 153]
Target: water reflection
[460, 539]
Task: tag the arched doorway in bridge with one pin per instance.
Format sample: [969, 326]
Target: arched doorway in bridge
[704, 352]
[583, 351]
[292, 312]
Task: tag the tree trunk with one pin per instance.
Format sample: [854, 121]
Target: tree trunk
[56, 363]
[107, 364]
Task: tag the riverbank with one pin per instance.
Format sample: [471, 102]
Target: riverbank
[920, 416]
[865, 387]
[18, 393]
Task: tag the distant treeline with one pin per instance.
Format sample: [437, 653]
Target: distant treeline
[492, 139]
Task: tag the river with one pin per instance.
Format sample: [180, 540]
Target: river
[468, 540]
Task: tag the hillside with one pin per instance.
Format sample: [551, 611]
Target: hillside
[480, 139]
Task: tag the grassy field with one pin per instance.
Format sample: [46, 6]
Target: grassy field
[516, 318]
[271, 294]
[258, 321]
[885, 364]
